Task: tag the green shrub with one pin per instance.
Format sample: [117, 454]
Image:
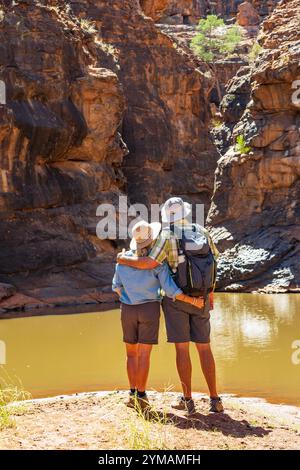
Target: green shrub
[241, 145]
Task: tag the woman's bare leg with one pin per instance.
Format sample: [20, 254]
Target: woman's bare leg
[132, 364]
[144, 352]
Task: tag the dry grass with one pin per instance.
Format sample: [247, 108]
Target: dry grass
[12, 394]
[148, 432]
[88, 25]
[106, 47]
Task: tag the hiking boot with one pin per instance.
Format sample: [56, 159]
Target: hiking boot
[185, 405]
[131, 402]
[143, 406]
[216, 405]
[143, 403]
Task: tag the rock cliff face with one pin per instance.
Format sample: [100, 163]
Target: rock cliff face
[166, 107]
[101, 103]
[59, 157]
[189, 11]
[171, 11]
[61, 149]
[255, 209]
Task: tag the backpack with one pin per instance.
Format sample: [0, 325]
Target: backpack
[196, 272]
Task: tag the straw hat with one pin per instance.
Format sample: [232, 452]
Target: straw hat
[143, 234]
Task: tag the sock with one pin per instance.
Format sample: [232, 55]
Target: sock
[187, 398]
[141, 394]
[132, 391]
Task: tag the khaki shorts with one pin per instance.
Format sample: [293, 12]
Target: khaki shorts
[186, 323]
[140, 322]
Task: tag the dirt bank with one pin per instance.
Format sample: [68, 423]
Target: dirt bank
[101, 421]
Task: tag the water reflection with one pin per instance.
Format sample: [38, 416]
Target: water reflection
[252, 337]
[246, 322]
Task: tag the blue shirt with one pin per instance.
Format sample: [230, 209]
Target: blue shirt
[139, 286]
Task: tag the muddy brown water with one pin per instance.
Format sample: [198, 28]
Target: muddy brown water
[254, 338]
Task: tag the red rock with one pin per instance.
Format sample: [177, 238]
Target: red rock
[180, 11]
[158, 9]
[61, 151]
[21, 301]
[6, 290]
[254, 213]
[168, 107]
[247, 15]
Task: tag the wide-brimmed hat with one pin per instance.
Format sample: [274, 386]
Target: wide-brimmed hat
[143, 234]
[175, 209]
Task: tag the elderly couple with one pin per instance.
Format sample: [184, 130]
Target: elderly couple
[174, 267]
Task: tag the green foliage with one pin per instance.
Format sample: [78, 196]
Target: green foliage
[214, 38]
[255, 51]
[241, 145]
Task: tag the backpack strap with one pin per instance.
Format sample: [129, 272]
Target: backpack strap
[179, 247]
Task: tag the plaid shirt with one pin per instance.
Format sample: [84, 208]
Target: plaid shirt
[166, 248]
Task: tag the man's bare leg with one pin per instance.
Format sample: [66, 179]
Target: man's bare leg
[184, 367]
[144, 352]
[208, 367]
[132, 364]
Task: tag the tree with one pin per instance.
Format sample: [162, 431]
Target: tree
[214, 38]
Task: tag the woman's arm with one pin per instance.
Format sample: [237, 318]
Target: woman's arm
[118, 290]
[116, 282]
[173, 291]
[195, 301]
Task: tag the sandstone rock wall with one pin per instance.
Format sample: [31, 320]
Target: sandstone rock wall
[82, 79]
[189, 11]
[172, 11]
[166, 107]
[255, 209]
[59, 158]
[79, 78]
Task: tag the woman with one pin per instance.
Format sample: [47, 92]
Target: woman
[140, 296]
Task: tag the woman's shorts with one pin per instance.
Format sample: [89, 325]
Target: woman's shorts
[140, 322]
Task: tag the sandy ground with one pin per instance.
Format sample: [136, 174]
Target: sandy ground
[101, 421]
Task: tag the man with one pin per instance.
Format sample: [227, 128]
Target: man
[183, 323]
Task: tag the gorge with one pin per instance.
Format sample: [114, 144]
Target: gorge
[101, 101]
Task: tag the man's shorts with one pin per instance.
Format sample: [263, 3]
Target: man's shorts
[140, 322]
[185, 322]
